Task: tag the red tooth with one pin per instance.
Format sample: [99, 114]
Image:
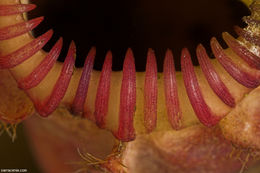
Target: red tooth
[19, 29]
[80, 97]
[61, 85]
[247, 35]
[6, 10]
[22, 54]
[201, 109]
[42, 69]
[150, 92]
[251, 59]
[171, 92]
[126, 130]
[213, 78]
[102, 98]
[237, 73]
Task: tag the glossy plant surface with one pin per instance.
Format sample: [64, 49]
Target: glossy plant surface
[170, 121]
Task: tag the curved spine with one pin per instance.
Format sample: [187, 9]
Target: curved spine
[7, 10]
[19, 29]
[102, 97]
[126, 130]
[197, 101]
[38, 74]
[171, 92]
[17, 57]
[251, 59]
[60, 88]
[234, 70]
[80, 97]
[213, 78]
[150, 92]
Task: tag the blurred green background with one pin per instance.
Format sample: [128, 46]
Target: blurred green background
[17, 154]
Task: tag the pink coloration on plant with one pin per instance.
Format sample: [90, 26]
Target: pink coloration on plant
[197, 101]
[150, 92]
[126, 130]
[61, 86]
[6, 10]
[19, 29]
[17, 57]
[242, 77]
[247, 35]
[251, 59]
[103, 92]
[213, 78]
[38, 74]
[80, 97]
[171, 92]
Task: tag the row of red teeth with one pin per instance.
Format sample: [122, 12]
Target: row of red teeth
[126, 130]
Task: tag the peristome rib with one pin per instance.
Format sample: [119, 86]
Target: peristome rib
[126, 130]
[103, 92]
[171, 92]
[80, 97]
[150, 92]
